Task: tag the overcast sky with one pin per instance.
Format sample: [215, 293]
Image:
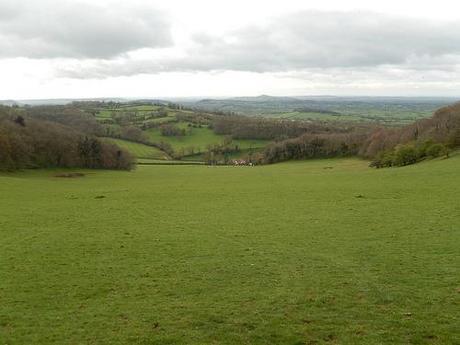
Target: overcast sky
[206, 48]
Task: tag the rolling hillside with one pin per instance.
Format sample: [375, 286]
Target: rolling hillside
[385, 110]
[199, 139]
[324, 251]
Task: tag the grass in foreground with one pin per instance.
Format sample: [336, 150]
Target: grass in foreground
[319, 252]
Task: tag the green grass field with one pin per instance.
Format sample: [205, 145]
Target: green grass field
[315, 252]
[200, 138]
[141, 110]
[139, 150]
[141, 107]
[296, 115]
[363, 116]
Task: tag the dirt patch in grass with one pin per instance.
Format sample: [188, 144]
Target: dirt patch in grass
[70, 175]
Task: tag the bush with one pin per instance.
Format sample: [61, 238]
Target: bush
[436, 150]
[408, 154]
[384, 159]
[405, 155]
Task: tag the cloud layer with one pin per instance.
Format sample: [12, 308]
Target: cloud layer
[325, 39]
[300, 41]
[69, 41]
[69, 29]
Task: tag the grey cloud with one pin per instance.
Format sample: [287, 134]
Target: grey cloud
[52, 28]
[324, 39]
[305, 41]
[8, 10]
[101, 69]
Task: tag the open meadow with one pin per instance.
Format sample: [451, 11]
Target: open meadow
[229, 172]
[310, 252]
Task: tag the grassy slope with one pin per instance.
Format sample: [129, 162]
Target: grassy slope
[139, 150]
[200, 138]
[282, 254]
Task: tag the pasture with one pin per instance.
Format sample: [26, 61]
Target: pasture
[313, 252]
[200, 138]
[139, 150]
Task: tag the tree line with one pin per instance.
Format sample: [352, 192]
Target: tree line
[308, 145]
[241, 127]
[45, 136]
[27, 142]
[426, 138]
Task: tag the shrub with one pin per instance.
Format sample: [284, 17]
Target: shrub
[408, 154]
[405, 155]
[436, 150]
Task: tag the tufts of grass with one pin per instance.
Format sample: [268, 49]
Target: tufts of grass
[280, 254]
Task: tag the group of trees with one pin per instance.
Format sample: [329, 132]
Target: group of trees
[194, 118]
[240, 127]
[443, 127]
[68, 115]
[427, 138]
[312, 146]
[406, 154]
[294, 139]
[37, 143]
[133, 133]
[170, 130]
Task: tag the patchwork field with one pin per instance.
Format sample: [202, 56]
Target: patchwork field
[384, 110]
[200, 139]
[197, 139]
[315, 252]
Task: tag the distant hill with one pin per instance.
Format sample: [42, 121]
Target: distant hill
[264, 98]
[260, 105]
[8, 102]
[389, 110]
